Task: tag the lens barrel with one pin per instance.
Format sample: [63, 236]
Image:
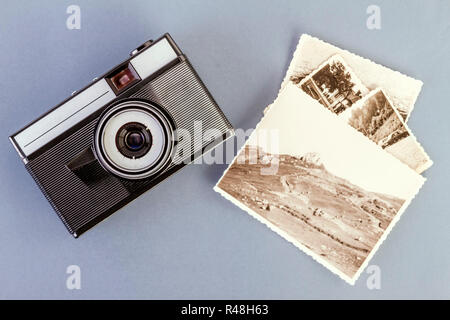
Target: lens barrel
[134, 139]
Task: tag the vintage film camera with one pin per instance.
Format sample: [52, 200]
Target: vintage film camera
[119, 136]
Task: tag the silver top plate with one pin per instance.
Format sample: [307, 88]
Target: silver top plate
[94, 97]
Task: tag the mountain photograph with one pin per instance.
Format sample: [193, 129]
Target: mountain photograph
[319, 183]
[333, 218]
[376, 118]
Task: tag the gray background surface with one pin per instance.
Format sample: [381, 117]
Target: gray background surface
[181, 239]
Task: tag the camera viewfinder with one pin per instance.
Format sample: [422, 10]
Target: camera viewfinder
[123, 78]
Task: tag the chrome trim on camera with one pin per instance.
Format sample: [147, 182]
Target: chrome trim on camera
[64, 117]
[154, 58]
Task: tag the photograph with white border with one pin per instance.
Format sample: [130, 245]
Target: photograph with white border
[334, 198]
[377, 118]
[311, 52]
[334, 85]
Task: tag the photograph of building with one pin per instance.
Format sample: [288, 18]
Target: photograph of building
[334, 85]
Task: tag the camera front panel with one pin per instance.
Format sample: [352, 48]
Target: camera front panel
[84, 195]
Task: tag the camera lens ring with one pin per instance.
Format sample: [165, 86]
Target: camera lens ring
[157, 123]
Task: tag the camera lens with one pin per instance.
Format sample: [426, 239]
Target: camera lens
[133, 140]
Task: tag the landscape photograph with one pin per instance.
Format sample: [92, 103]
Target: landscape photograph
[376, 118]
[335, 199]
[334, 85]
[337, 220]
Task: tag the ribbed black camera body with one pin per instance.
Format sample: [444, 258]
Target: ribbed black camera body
[120, 136]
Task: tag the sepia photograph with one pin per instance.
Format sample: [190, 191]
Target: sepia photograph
[138, 163]
[376, 118]
[334, 198]
[334, 85]
[312, 52]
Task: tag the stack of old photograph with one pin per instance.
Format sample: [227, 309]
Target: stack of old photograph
[332, 165]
